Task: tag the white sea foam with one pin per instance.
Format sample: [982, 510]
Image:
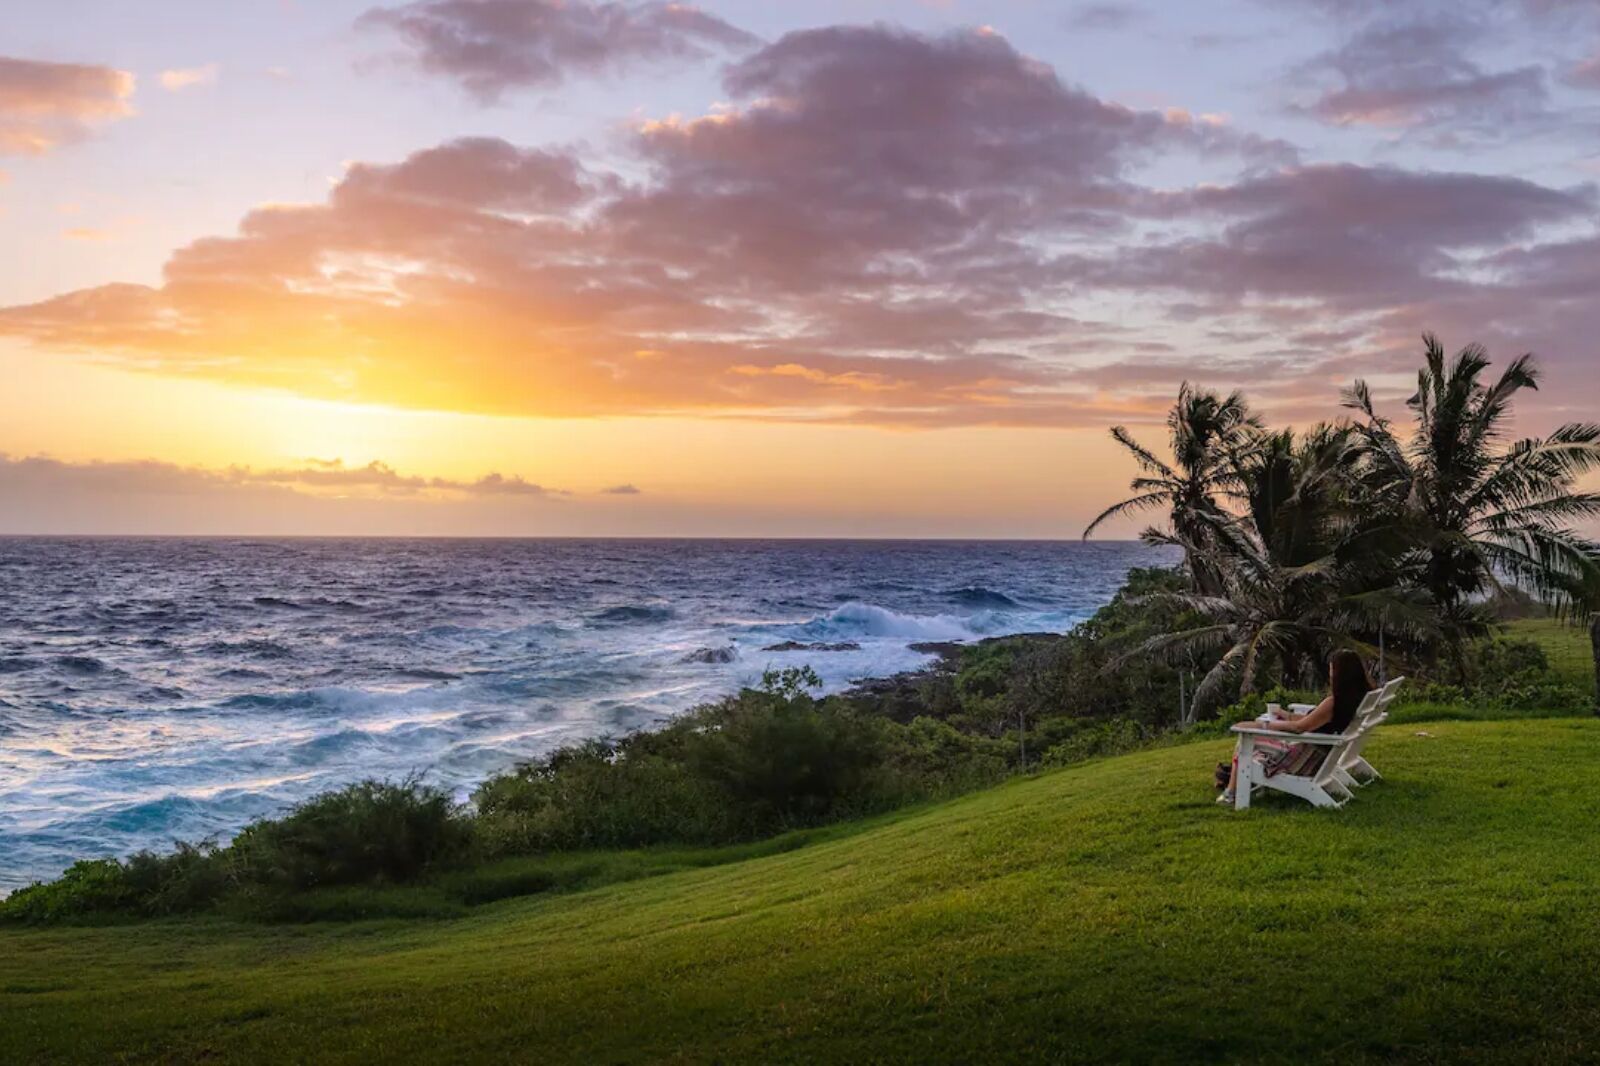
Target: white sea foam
[859, 619]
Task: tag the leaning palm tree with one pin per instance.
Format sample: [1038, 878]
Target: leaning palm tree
[1306, 568]
[1480, 512]
[1208, 434]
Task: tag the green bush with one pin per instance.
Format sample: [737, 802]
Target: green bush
[747, 766]
[370, 832]
[1096, 738]
[1516, 675]
[932, 757]
[600, 794]
[1498, 675]
[91, 886]
[788, 762]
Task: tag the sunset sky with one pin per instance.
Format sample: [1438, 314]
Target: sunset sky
[850, 268]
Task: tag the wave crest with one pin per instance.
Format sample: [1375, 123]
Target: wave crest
[869, 620]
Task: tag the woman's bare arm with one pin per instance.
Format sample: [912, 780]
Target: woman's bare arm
[1319, 715]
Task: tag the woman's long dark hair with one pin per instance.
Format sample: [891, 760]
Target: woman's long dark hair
[1350, 685]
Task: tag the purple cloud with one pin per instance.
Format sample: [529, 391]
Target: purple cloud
[1585, 74]
[1106, 16]
[1417, 74]
[489, 47]
[1343, 235]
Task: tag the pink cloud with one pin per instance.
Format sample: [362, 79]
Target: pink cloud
[180, 78]
[45, 105]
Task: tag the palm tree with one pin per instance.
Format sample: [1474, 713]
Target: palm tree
[1479, 511]
[1306, 568]
[1208, 435]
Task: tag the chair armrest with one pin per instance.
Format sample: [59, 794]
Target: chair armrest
[1302, 708]
[1298, 738]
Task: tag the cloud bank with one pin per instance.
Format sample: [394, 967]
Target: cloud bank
[878, 226]
[317, 477]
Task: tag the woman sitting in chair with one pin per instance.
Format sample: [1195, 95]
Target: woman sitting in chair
[1348, 685]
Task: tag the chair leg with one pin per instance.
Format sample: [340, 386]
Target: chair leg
[1321, 798]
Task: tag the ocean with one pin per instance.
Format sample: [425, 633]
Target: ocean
[154, 690]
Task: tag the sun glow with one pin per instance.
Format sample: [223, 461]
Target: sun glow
[735, 476]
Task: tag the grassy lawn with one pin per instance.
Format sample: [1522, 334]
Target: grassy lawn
[1106, 912]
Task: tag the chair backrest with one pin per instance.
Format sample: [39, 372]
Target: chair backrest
[1365, 718]
[1389, 692]
[1366, 713]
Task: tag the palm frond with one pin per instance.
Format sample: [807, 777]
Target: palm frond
[1146, 458]
[1126, 507]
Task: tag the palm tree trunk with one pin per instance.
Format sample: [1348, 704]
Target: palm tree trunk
[1206, 581]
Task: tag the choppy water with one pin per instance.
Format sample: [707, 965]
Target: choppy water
[159, 689]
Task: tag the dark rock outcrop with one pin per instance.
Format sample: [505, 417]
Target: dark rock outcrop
[712, 655]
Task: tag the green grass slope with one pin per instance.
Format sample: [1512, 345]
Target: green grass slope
[1105, 912]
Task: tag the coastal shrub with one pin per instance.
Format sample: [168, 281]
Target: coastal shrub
[932, 757]
[190, 877]
[1096, 738]
[1495, 675]
[746, 766]
[372, 831]
[600, 794]
[90, 886]
[1097, 671]
[1034, 682]
[787, 762]
[1516, 674]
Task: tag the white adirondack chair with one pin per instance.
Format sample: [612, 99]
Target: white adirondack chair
[1329, 785]
[1355, 770]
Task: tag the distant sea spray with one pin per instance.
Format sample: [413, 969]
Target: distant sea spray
[160, 689]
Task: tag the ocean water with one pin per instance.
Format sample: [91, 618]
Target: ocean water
[161, 689]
